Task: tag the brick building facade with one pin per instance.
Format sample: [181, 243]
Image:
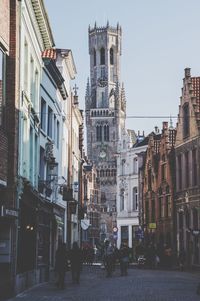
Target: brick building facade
[9, 58]
[158, 188]
[187, 152]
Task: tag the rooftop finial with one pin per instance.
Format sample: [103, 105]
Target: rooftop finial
[95, 24]
[171, 123]
[75, 88]
[107, 23]
[87, 92]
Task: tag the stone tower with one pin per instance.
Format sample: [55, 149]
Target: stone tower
[105, 108]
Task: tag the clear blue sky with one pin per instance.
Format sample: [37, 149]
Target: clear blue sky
[160, 39]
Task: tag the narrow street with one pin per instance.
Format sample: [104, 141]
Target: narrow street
[139, 285]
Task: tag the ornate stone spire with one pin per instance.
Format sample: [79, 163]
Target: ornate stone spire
[123, 98]
[87, 91]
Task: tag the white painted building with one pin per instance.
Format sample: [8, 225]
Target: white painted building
[127, 187]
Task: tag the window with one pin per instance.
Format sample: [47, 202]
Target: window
[25, 66]
[194, 167]
[179, 172]
[58, 134]
[122, 200]
[32, 81]
[160, 203]
[135, 165]
[147, 211]
[168, 203]
[153, 209]
[31, 155]
[187, 173]
[124, 234]
[111, 56]
[149, 179]
[43, 115]
[94, 57]
[106, 132]
[163, 168]
[135, 198]
[186, 129]
[2, 84]
[123, 166]
[50, 122]
[99, 132]
[102, 56]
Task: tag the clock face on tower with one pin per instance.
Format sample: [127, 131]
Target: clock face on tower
[102, 154]
[102, 81]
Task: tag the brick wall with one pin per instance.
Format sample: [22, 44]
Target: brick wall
[5, 19]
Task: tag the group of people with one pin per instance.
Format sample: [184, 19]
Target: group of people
[74, 256]
[111, 254]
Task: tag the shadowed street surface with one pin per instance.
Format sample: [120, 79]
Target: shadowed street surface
[139, 285]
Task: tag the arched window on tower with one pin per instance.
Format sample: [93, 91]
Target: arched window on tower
[99, 132]
[111, 56]
[102, 56]
[94, 57]
[106, 132]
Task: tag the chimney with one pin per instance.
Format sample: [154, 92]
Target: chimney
[165, 125]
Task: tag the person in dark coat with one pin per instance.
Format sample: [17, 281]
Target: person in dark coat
[76, 262]
[124, 259]
[61, 264]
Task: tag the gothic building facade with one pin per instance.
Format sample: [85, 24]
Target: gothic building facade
[105, 109]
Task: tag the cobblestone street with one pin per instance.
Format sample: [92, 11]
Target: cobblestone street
[139, 285]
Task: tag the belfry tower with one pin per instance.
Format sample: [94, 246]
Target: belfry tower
[105, 108]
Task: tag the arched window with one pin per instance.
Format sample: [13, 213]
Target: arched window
[94, 56]
[135, 165]
[99, 132]
[135, 198]
[111, 56]
[107, 172]
[106, 132]
[102, 56]
[122, 199]
[101, 173]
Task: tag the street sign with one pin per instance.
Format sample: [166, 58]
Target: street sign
[115, 229]
[152, 225]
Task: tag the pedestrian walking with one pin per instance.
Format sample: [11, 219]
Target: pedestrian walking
[61, 265]
[124, 259]
[108, 258]
[76, 262]
[181, 259]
